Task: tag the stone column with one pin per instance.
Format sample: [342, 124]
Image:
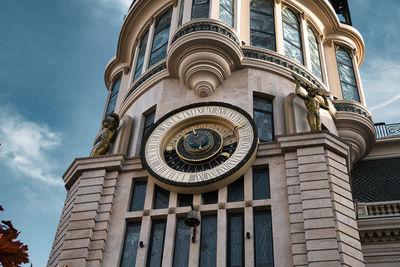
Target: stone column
[322, 215]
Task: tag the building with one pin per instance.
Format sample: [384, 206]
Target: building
[211, 126]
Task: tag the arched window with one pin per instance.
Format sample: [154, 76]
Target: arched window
[200, 9]
[346, 75]
[160, 40]
[291, 35]
[262, 26]
[314, 53]
[226, 11]
[113, 97]
[140, 58]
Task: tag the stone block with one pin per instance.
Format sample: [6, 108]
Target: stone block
[313, 167]
[110, 183]
[319, 223]
[291, 164]
[342, 200]
[343, 209]
[299, 249]
[94, 263]
[74, 253]
[85, 215]
[88, 198]
[298, 238]
[351, 221]
[325, 264]
[104, 216]
[338, 166]
[331, 155]
[83, 224]
[341, 191]
[339, 182]
[292, 181]
[349, 240]
[95, 173]
[77, 234]
[292, 172]
[300, 259]
[314, 185]
[296, 228]
[323, 255]
[320, 233]
[105, 208]
[293, 189]
[353, 252]
[76, 243]
[72, 262]
[322, 244]
[101, 226]
[317, 203]
[95, 255]
[100, 235]
[310, 151]
[350, 261]
[311, 159]
[314, 194]
[85, 206]
[91, 181]
[108, 191]
[317, 213]
[97, 244]
[344, 228]
[293, 199]
[296, 218]
[289, 156]
[296, 208]
[313, 176]
[106, 199]
[90, 190]
[337, 173]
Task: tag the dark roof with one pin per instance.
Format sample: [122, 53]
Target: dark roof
[376, 180]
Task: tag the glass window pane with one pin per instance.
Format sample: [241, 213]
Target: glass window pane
[262, 103]
[235, 246]
[111, 104]
[158, 55]
[161, 197]
[290, 18]
[263, 40]
[160, 40]
[226, 16]
[156, 245]
[343, 57]
[208, 241]
[291, 35]
[185, 200]
[261, 184]
[132, 235]
[210, 197]
[138, 195]
[293, 52]
[263, 6]
[181, 12]
[263, 246]
[116, 86]
[142, 51]
[148, 122]
[350, 92]
[346, 74]
[236, 190]
[200, 9]
[264, 122]
[261, 22]
[182, 244]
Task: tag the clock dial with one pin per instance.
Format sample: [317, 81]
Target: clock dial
[199, 145]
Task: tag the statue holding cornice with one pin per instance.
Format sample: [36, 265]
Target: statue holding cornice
[111, 123]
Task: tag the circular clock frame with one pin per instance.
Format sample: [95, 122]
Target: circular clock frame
[182, 121]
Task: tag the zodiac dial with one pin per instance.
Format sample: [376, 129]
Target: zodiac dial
[200, 147]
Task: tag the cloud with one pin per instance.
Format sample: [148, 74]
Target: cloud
[26, 146]
[381, 88]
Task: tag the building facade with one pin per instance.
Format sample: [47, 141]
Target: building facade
[211, 128]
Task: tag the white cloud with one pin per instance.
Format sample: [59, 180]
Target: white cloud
[381, 88]
[25, 146]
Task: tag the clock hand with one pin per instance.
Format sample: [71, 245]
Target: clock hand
[225, 154]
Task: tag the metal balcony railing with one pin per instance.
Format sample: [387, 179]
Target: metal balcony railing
[386, 130]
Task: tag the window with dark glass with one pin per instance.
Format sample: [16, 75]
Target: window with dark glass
[210, 197]
[200, 9]
[261, 188]
[148, 122]
[263, 246]
[131, 242]
[161, 197]
[346, 75]
[113, 97]
[235, 240]
[226, 11]
[314, 53]
[140, 58]
[208, 241]
[185, 200]
[160, 40]
[156, 245]
[291, 35]
[138, 195]
[182, 244]
[262, 26]
[236, 190]
[182, 4]
[263, 117]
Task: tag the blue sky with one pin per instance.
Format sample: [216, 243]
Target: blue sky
[52, 95]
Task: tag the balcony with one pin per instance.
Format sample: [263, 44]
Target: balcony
[384, 130]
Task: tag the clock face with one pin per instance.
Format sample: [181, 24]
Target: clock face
[200, 147]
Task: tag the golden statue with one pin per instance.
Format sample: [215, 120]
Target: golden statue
[111, 123]
[312, 104]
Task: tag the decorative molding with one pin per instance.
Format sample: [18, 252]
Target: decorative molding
[350, 107]
[160, 67]
[205, 26]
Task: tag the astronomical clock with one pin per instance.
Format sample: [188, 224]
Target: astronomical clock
[200, 147]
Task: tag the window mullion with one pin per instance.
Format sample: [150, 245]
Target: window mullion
[358, 79]
[280, 48]
[174, 23]
[305, 42]
[148, 47]
[134, 63]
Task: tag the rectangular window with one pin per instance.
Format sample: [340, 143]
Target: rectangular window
[148, 122]
[182, 244]
[140, 58]
[113, 97]
[185, 200]
[208, 241]
[263, 246]
[210, 197]
[235, 246]
[131, 242]
[236, 190]
[138, 195]
[161, 198]
[262, 25]
[263, 116]
[181, 12]
[346, 74]
[160, 40]
[156, 245]
[261, 188]
[200, 9]
[291, 35]
[226, 11]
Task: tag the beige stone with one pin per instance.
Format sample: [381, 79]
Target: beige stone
[322, 244]
[323, 255]
[320, 233]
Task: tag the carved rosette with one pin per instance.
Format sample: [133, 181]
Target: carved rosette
[203, 55]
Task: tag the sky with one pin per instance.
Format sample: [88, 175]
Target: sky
[52, 95]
